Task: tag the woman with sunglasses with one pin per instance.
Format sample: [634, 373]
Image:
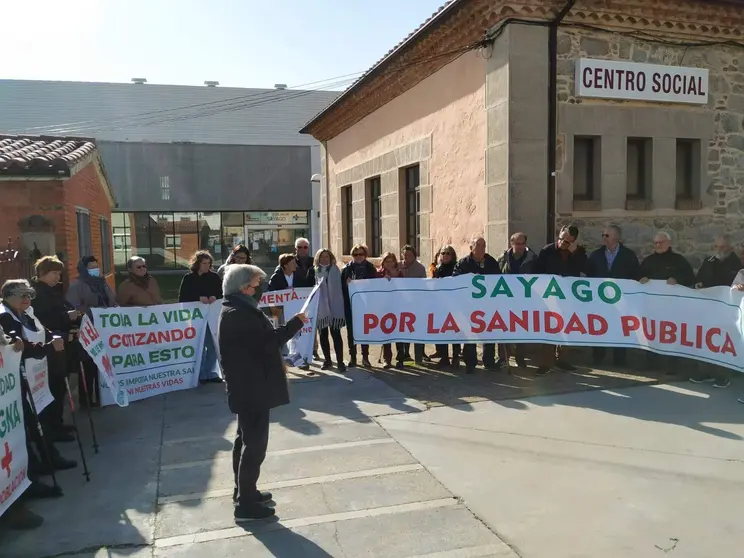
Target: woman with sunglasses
[445, 267]
[140, 288]
[358, 268]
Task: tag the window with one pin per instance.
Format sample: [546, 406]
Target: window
[173, 241]
[165, 187]
[105, 246]
[585, 175]
[83, 232]
[347, 218]
[685, 169]
[374, 195]
[639, 169]
[413, 207]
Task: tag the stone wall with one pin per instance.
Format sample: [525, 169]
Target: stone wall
[693, 231]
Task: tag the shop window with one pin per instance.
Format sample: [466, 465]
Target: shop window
[83, 232]
[639, 167]
[161, 227]
[209, 225]
[374, 212]
[688, 174]
[413, 206]
[105, 245]
[233, 231]
[586, 172]
[347, 218]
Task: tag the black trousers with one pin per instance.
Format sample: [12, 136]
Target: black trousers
[619, 355]
[443, 351]
[91, 379]
[51, 417]
[325, 344]
[249, 452]
[404, 352]
[470, 355]
[350, 337]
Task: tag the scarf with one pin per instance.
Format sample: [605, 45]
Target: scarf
[96, 284]
[331, 298]
[142, 282]
[244, 298]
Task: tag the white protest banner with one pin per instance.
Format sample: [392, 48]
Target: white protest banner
[13, 456]
[37, 374]
[287, 302]
[705, 325]
[92, 342]
[153, 350]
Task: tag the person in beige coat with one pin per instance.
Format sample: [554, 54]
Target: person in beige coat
[140, 288]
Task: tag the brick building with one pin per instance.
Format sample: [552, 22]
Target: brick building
[55, 198]
[475, 123]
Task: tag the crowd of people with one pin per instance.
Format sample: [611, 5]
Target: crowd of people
[42, 321]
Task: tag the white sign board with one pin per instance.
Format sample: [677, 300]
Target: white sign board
[608, 79]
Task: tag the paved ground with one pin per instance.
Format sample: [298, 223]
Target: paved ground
[360, 470]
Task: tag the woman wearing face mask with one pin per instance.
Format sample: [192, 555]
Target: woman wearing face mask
[140, 288]
[448, 260]
[90, 290]
[330, 317]
[389, 270]
[358, 268]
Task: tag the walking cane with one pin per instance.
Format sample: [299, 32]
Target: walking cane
[89, 405]
[44, 445]
[86, 472]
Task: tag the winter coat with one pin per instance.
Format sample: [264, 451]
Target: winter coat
[415, 270]
[511, 266]
[624, 266]
[444, 270]
[668, 265]
[303, 276]
[51, 308]
[250, 356]
[132, 293]
[468, 265]
[352, 271]
[551, 261]
[719, 273]
[278, 281]
[89, 292]
[193, 286]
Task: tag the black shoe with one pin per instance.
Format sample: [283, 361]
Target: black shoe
[387, 366]
[353, 362]
[40, 491]
[444, 363]
[469, 369]
[263, 496]
[20, 518]
[419, 362]
[327, 364]
[521, 363]
[304, 367]
[542, 370]
[400, 365]
[316, 356]
[497, 365]
[565, 366]
[252, 512]
[62, 464]
[456, 363]
[366, 363]
[62, 437]
[216, 380]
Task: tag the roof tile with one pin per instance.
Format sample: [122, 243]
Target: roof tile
[41, 155]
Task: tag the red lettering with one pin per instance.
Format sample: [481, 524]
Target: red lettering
[630, 324]
[575, 325]
[597, 325]
[683, 337]
[407, 319]
[667, 332]
[450, 324]
[477, 323]
[649, 329]
[370, 322]
[115, 341]
[553, 322]
[728, 347]
[430, 325]
[515, 321]
[388, 323]
[709, 340]
[497, 323]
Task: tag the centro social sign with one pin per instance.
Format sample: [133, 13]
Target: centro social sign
[608, 79]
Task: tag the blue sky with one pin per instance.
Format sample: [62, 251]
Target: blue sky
[248, 43]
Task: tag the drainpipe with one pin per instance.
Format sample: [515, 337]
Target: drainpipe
[327, 198]
[553, 114]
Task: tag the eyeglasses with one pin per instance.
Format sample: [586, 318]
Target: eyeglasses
[303, 247]
[357, 254]
[446, 253]
[141, 267]
[26, 296]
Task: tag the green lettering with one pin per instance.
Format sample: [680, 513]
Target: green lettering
[615, 296]
[585, 295]
[502, 287]
[478, 284]
[554, 290]
[527, 285]
[196, 314]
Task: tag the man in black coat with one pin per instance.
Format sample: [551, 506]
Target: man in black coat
[250, 355]
[478, 262]
[720, 269]
[665, 265]
[517, 260]
[613, 261]
[567, 259]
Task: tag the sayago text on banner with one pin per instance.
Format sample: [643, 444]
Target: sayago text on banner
[705, 325]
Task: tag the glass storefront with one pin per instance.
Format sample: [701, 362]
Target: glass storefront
[167, 240]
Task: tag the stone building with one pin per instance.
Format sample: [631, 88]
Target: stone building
[451, 134]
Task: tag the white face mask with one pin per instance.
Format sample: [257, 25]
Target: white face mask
[94, 272]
